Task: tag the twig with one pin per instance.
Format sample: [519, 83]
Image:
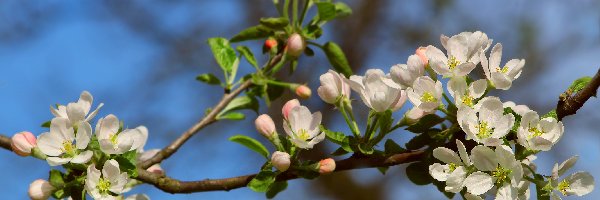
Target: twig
[5, 142]
[205, 121]
[569, 105]
[171, 185]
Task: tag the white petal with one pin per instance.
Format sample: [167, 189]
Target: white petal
[83, 157]
[478, 183]
[455, 181]
[50, 144]
[438, 171]
[500, 81]
[94, 113]
[506, 192]
[446, 155]
[580, 183]
[108, 125]
[84, 133]
[75, 112]
[111, 170]
[477, 88]
[469, 196]
[464, 69]
[462, 151]
[61, 126]
[55, 161]
[566, 165]
[484, 158]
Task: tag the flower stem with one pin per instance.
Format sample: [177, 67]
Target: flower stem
[349, 120]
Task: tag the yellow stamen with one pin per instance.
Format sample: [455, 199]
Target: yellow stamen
[428, 97]
[103, 186]
[467, 100]
[484, 130]
[453, 62]
[502, 70]
[501, 174]
[303, 134]
[563, 186]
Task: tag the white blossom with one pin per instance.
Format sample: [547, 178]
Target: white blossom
[58, 143]
[425, 94]
[377, 91]
[464, 94]
[111, 180]
[114, 142]
[303, 127]
[501, 77]
[539, 134]
[334, 85]
[486, 122]
[578, 183]
[502, 166]
[455, 171]
[78, 111]
[406, 74]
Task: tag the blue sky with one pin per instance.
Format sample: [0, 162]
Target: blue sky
[83, 47]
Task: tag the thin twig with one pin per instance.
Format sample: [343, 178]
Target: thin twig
[568, 105]
[5, 142]
[171, 185]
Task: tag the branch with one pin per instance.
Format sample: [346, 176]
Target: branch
[5, 142]
[569, 104]
[171, 185]
[207, 120]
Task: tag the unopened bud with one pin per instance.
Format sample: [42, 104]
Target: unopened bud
[421, 53]
[40, 190]
[414, 115]
[303, 91]
[326, 166]
[333, 85]
[295, 45]
[156, 169]
[265, 125]
[281, 160]
[288, 106]
[270, 43]
[22, 143]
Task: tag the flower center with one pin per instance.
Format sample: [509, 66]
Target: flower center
[103, 186]
[428, 97]
[563, 186]
[483, 130]
[452, 167]
[303, 134]
[68, 149]
[113, 139]
[467, 100]
[535, 132]
[453, 62]
[502, 70]
[501, 174]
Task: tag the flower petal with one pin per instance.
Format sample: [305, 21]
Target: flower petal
[478, 183]
[484, 158]
[446, 155]
[83, 157]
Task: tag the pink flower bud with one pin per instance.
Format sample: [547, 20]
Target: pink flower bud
[156, 169]
[23, 142]
[281, 160]
[326, 166]
[415, 114]
[270, 43]
[288, 106]
[40, 189]
[295, 45]
[303, 91]
[333, 85]
[265, 125]
[421, 53]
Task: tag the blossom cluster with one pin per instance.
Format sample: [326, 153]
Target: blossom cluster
[93, 158]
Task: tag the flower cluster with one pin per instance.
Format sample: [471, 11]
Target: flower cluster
[91, 156]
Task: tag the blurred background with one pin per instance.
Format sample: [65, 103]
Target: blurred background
[140, 58]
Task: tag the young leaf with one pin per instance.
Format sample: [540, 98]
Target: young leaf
[252, 33]
[56, 178]
[209, 79]
[127, 162]
[276, 188]
[252, 144]
[243, 102]
[245, 51]
[326, 11]
[312, 32]
[340, 151]
[46, 124]
[274, 23]
[392, 147]
[262, 181]
[232, 116]
[224, 54]
[337, 58]
[579, 84]
[425, 123]
[417, 175]
[338, 138]
[342, 10]
[418, 141]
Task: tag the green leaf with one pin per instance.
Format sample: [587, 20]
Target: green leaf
[60, 194]
[274, 22]
[276, 188]
[223, 53]
[425, 123]
[579, 84]
[385, 121]
[56, 178]
[365, 148]
[245, 51]
[312, 32]
[383, 170]
[309, 52]
[337, 58]
[239, 103]
[252, 33]
[46, 124]
[417, 175]
[551, 114]
[232, 116]
[252, 144]
[338, 138]
[262, 181]
[326, 11]
[392, 147]
[127, 162]
[342, 10]
[340, 151]
[209, 79]
[418, 141]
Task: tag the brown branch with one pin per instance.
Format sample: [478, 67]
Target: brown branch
[5, 142]
[210, 118]
[569, 104]
[171, 185]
